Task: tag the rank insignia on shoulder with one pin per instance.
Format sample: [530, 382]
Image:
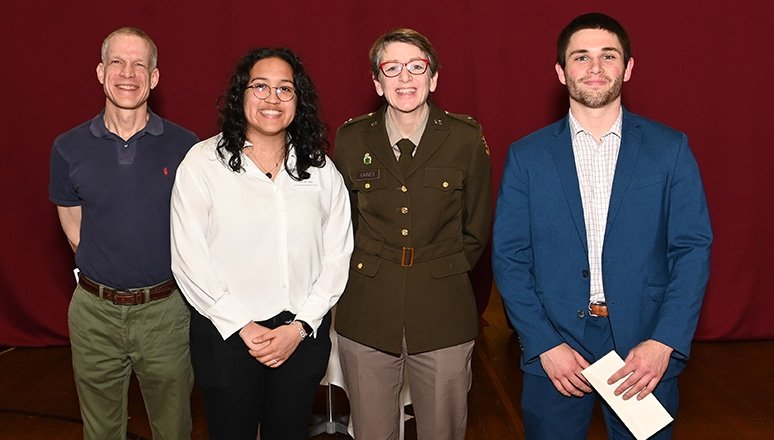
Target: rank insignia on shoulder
[483, 142]
[357, 118]
[465, 118]
[367, 159]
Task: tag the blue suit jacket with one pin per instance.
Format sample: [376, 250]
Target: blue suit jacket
[655, 259]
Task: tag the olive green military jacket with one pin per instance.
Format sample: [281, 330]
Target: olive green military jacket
[416, 236]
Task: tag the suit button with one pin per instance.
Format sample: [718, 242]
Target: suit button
[367, 186]
[359, 265]
[586, 273]
[581, 314]
[404, 210]
[404, 232]
[403, 188]
[445, 184]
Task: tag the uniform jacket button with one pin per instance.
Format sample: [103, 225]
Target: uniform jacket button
[404, 232]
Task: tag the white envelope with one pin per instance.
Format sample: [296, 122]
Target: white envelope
[643, 417]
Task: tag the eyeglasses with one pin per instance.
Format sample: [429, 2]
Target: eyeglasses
[391, 69]
[263, 91]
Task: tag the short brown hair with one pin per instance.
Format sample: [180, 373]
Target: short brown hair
[403, 35]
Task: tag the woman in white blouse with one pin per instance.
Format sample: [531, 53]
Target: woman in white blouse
[261, 241]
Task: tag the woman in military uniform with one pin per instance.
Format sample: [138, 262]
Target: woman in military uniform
[419, 182]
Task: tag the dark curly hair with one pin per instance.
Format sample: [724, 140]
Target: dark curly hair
[306, 131]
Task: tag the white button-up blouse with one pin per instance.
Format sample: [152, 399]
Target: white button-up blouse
[245, 248]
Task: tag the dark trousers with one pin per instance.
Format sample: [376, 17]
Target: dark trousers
[240, 394]
[549, 415]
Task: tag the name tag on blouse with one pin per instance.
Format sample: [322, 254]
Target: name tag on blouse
[312, 184]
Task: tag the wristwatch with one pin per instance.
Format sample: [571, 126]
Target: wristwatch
[304, 329]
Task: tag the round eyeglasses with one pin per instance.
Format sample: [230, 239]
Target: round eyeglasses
[391, 69]
[263, 91]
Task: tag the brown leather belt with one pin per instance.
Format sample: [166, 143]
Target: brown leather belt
[129, 297]
[598, 309]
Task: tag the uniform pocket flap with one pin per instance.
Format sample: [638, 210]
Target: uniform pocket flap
[444, 179]
[367, 181]
[449, 265]
[364, 263]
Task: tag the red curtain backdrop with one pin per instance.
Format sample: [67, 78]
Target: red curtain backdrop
[699, 67]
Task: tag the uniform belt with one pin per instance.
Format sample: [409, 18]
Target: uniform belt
[129, 297]
[598, 309]
[408, 256]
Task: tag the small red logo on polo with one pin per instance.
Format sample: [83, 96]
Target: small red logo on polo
[166, 171]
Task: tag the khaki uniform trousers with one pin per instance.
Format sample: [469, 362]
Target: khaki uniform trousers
[439, 381]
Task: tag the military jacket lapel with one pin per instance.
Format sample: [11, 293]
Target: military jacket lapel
[436, 132]
[378, 142]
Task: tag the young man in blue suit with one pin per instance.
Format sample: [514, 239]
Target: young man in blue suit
[601, 242]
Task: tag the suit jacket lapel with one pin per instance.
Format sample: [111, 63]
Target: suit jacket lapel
[378, 142]
[564, 159]
[631, 141]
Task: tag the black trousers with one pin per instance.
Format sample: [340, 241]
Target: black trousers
[240, 393]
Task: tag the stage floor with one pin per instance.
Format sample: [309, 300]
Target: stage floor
[726, 393]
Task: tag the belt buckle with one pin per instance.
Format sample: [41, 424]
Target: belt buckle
[407, 252]
[596, 303]
[128, 297]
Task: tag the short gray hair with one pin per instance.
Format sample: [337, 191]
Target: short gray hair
[129, 30]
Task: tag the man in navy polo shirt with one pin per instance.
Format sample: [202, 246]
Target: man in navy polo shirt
[111, 179]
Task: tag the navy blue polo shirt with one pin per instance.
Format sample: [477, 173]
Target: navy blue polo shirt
[123, 188]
